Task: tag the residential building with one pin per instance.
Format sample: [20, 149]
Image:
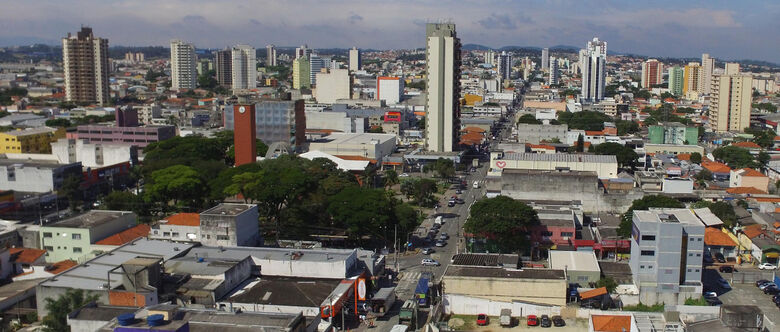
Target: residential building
[707, 69]
[181, 227]
[139, 136]
[730, 102]
[369, 146]
[19, 173]
[594, 71]
[442, 81]
[72, 238]
[505, 65]
[244, 67]
[302, 52]
[301, 77]
[354, 60]
[270, 55]
[31, 140]
[692, 81]
[545, 58]
[732, 68]
[224, 67]
[229, 224]
[652, 73]
[204, 66]
[581, 266]
[555, 74]
[86, 68]
[183, 73]
[389, 89]
[276, 121]
[676, 80]
[316, 64]
[748, 177]
[673, 133]
[489, 57]
[98, 154]
[666, 255]
[333, 86]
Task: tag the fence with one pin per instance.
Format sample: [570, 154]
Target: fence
[749, 277]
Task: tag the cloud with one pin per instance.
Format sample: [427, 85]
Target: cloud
[498, 21]
[354, 18]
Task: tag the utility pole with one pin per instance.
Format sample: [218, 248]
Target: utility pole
[395, 245]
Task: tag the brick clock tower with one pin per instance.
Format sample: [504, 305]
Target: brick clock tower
[244, 134]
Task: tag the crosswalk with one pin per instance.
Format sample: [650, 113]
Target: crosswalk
[411, 276]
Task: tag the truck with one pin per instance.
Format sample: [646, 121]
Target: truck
[506, 317]
[422, 292]
[382, 301]
[408, 314]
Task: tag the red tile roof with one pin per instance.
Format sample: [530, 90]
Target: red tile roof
[747, 145]
[611, 323]
[752, 231]
[745, 191]
[593, 293]
[715, 167]
[126, 236]
[184, 219]
[715, 237]
[26, 255]
[61, 266]
[752, 172]
[684, 156]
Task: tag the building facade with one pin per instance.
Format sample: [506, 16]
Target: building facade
[72, 238]
[707, 69]
[555, 74]
[505, 65]
[389, 89]
[594, 71]
[224, 67]
[673, 133]
[183, 73]
[276, 121]
[692, 82]
[676, 80]
[139, 136]
[230, 224]
[32, 140]
[545, 58]
[442, 82]
[301, 76]
[334, 85]
[43, 176]
[354, 59]
[244, 67]
[270, 55]
[730, 102]
[68, 150]
[652, 73]
[86, 68]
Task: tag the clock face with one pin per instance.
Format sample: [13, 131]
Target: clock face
[241, 109]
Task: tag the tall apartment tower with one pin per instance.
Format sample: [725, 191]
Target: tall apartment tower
[443, 83]
[224, 67]
[85, 62]
[355, 62]
[301, 73]
[545, 58]
[302, 52]
[505, 65]
[730, 102]
[652, 73]
[692, 85]
[555, 74]
[594, 70]
[490, 57]
[315, 66]
[244, 65]
[270, 55]
[707, 67]
[676, 79]
[183, 74]
[732, 68]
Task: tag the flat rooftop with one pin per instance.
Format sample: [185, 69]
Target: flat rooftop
[101, 312]
[30, 131]
[497, 272]
[513, 171]
[561, 157]
[7, 160]
[200, 266]
[351, 138]
[510, 261]
[303, 292]
[230, 209]
[274, 254]
[574, 260]
[237, 322]
[90, 219]
[684, 216]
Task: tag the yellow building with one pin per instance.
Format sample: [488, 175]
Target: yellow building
[34, 140]
[301, 74]
[692, 79]
[730, 102]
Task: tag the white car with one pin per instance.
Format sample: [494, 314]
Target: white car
[430, 262]
[766, 266]
[404, 175]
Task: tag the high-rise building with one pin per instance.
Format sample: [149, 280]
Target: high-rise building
[315, 66]
[301, 76]
[355, 63]
[490, 57]
[707, 68]
[692, 84]
[204, 66]
[652, 73]
[244, 67]
[555, 74]
[730, 102]
[333, 86]
[275, 121]
[732, 68]
[85, 62]
[224, 67]
[443, 82]
[302, 52]
[270, 55]
[545, 58]
[505, 65]
[389, 89]
[676, 79]
[594, 70]
[183, 74]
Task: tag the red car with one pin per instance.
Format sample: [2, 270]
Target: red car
[482, 320]
[532, 320]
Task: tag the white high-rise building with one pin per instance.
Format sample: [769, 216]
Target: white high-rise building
[183, 74]
[270, 55]
[545, 58]
[354, 59]
[86, 67]
[555, 74]
[490, 57]
[302, 52]
[594, 71]
[505, 65]
[442, 80]
[244, 67]
[707, 67]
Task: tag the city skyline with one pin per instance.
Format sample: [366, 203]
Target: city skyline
[721, 28]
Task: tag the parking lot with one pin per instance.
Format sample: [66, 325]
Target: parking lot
[572, 325]
[749, 294]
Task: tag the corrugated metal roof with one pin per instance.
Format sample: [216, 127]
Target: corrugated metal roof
[561, 157]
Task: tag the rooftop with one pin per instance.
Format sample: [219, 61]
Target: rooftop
[25, 255]
[90, 219]
[668, 215]
[100, 312]
[496, 272]
[561, 157]
[715, 237]
[230, 209]
[611, 323]
[707, 217]
[304, 292]
[30, 131]
[126, 236]
[18, 161]
[184, 219]
[510, 261]
[361, 138]
[573, 260]
[278, 254]
[200, 266]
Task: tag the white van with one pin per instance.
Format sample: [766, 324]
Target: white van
[439, 220]
[476, 185]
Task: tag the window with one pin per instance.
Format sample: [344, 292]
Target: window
[697, 270]
[156, 232]
[698, 255]
[546, 233]
[48, 248]
[691, 239]
[648, 252]
[567, 234]
[699, 240]
[76, 250]
[175, 234]
[75, 236]
[582, 278]
[166, 233]
[690, 254]
[46, 234]
[648, 237]
[689, 270]
[223, 237]
[668, 271]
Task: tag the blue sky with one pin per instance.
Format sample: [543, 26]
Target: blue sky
[725, 29]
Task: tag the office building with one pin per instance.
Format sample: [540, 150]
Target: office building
[730, 102]
[692, 80]
[652, 73]
[667, 246]
[676, 80]
[389, 89]
[138, 136]
[276, 121]
[673, 133]
[30, 140]
[333, 86]
[72, 238]
[594, 71]
[229, 224]
[183, 74]
[505, 65]
[86, 68]
[555, 74]
[545, 58]
[355, 60]
[301, 77]
[707, 69]
[244, 66]
[224, 67]
[442, 80]
[316, 64]
[270, 55]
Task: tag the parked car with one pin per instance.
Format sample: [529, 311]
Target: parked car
[765, 285]
[771, 290]
[714, 301]
[532, 320]
[430, 262]
[443, 237]
[726, 269]
[710, 295]
[558, 321]
[427, 251]
[482, 320]
[766, 266]
[451, 203]
[719, 257]
[776, 299]
[458, 191]
[723, 283]
[761, 282]
[545, 321]
[441, 243]
[403, 175]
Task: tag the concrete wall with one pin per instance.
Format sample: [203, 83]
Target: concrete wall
[175, 233]
[226, 230]
[455, 304]
[43, 292]
[333, 269]
[281, 309]
[541, 291]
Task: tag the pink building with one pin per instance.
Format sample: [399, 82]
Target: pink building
[139, 136]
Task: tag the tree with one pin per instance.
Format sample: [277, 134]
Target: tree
[763, 159]
[626, 127]
[734, 156]
[445, 168]
[362, 211]
[764, 138]
[585, 120]
[178, 183]
[58, 123]
[71, 189]
[666, 95]
[207, 80]
[580, 143]
[421, 123]
[72, 299]
[645, 203]
[625, 155]
[391, 178]
[704, 175]
[122, 201]
[696, 158]
[502, 219]
[528, 118]
[607, 282]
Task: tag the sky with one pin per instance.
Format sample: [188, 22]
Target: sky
[741, 29]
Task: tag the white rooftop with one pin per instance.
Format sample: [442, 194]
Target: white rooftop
[562, 157]
[342, 164]
[573, 260]
[707, 217]
[664, 215]
[356, 138]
